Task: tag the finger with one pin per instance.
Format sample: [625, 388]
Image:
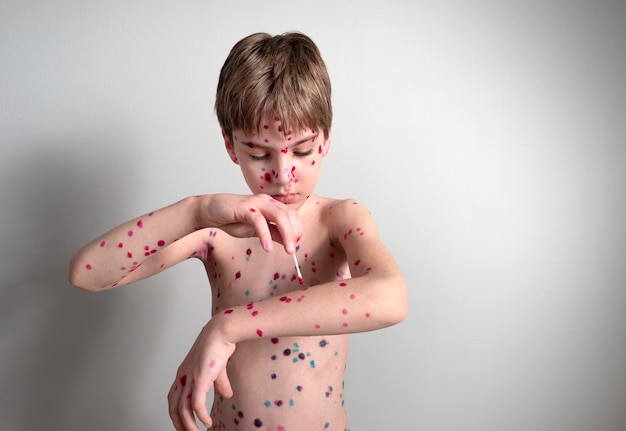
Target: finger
[262, 230]
[288, 228]
[198, 403]
[185, 412]
[173, 401]
[222, 385]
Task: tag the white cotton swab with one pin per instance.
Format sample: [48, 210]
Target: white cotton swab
[295, 260]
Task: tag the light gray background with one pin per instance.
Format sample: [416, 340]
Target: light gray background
[487, 138]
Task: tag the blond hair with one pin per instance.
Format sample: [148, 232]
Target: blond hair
[283, 76]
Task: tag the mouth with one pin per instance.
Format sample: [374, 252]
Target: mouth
[286, 198]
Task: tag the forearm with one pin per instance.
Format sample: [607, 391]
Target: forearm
[109, 260]
[114, 255]
[347, 306]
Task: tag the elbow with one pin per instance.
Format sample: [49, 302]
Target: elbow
[77, 280]
[398, 313]
[396, 304]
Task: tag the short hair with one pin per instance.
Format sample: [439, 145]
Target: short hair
[283, 76]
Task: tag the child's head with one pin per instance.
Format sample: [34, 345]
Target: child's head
[283, 76]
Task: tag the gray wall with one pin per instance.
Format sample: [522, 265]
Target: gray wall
[487, 138]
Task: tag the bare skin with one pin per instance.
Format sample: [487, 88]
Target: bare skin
[274, 351]
[282, 381]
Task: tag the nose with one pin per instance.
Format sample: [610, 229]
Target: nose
[285, 171]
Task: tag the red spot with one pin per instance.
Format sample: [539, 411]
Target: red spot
[301, 280]
[284, 150]
[345, 325]
[344, 311]
[88, 266]
[276, 276]
[255, 313]
[319, 149]
[265, 126]
[357, 262]
[367, 315]
[161, 243]
[183, 380]
[267, 177]
[129, 255]
[317, 326]
[352, 296]
[252, 210]
[130, 233]
[230, 310]
[275, 340]
[342, 284]
[120, 245]
[259, 332]
[212, 364]
[102, 243]
[146, 247]
[139, 224]
[238, 275]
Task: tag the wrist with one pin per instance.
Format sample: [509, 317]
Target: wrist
[199, 210]
[221, 326]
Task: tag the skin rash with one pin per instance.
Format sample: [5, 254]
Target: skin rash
[274, 349]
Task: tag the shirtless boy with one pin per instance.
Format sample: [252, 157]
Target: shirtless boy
[273, 350]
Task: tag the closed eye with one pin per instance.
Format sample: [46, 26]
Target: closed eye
[303, 153]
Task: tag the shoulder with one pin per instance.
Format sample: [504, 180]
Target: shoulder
[347, 217]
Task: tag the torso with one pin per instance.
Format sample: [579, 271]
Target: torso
[290, 383]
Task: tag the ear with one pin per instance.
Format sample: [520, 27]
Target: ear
[229, 148]
[326, 143]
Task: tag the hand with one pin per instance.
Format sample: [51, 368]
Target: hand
[255, 215]
[203, 367]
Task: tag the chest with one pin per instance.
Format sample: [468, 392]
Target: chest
[240, 271]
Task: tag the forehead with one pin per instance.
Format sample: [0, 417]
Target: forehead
[271, 129]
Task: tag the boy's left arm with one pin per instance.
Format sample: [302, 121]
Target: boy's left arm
[375, 297]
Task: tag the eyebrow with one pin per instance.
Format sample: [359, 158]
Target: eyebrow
[293, 144]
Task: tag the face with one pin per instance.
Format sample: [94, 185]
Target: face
[278, 162]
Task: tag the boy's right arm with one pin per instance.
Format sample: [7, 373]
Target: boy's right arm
[151, 243]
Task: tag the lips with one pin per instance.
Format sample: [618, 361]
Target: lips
[286, 198]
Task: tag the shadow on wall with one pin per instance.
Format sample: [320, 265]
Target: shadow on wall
[53, 342]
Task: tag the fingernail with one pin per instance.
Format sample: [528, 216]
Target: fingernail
[268, 245]
[291, 247]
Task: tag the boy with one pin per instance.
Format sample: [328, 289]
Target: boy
[274, 352]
